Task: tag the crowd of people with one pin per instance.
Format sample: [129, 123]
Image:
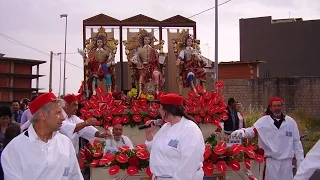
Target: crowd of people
[41, 138]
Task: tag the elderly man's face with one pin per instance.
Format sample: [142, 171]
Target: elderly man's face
[117, 130]
[276, 108]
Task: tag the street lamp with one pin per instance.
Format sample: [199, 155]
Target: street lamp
[59, 54]
[216, 62]
[65, 53]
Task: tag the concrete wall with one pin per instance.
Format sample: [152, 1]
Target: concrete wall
[297, 92]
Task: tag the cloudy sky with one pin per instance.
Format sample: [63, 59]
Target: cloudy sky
[37, 24]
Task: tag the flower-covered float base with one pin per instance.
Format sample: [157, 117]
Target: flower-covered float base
[235, 161]
[208, 110]
[102, 173]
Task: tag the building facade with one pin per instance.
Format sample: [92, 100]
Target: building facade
[290, 47]
[16, 79]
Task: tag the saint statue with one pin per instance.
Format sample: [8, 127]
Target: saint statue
[99, 61]
[190, 62]
[146, 66]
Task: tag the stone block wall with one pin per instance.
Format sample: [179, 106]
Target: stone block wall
[297, 92]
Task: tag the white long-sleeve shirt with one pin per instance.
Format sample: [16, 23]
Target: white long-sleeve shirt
[280, 145]
[52, 160]
[176, 152]
[310, 164]
[68, 127]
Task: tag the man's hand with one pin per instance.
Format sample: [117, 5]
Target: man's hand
[238, 133]
[91, 121]
[106, 134]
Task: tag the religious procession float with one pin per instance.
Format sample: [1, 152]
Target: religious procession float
[224, 157]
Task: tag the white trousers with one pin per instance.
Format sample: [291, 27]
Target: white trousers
[278, 169]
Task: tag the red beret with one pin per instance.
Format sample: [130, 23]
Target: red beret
[40, 101]
[275, 99]
[70, 97]
[172, 99]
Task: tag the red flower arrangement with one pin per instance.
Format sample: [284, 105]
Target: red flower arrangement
[217, 153]
[131, 160]
[208, 107]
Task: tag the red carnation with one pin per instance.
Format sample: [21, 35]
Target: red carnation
[88, 155]
[208, 168]
[134, 161]
[143, 154]
[222, 166]
[140, 147]
[124, 148]
[98, 153]
[132, 170]
[214, 156]
[260, 151]
[125, 119]
[122, 158]
[114, 170]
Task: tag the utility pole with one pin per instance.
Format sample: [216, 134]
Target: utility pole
[65, 53]
[50, 72]
[60, 75]
[216, 62]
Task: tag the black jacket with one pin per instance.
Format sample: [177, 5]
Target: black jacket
[228, 124]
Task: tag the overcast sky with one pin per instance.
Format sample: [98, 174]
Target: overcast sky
[37, 23]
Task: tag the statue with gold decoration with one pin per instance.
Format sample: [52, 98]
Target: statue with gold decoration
[189, 61]
[99, 61]
[146, 63]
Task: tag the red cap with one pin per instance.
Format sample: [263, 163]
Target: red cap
[275, 99]
[172, 99]
[40, 101]
[70, 97]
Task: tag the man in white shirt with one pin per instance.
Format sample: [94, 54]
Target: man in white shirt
[310, 164]
[74, 127]
[117, 140]
[46, 154]
[278, 136]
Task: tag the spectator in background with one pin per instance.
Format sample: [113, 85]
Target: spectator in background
[26, 102]
[27, 114]
[16, 111]
[11, 132]
[239, 108]
[232, 123]
[23, 107]
[5, 121]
